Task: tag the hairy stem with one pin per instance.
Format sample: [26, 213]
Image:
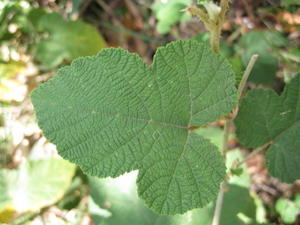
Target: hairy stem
[215, 34]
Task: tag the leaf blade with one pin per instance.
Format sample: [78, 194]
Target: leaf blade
[111, 114]
[281, 126]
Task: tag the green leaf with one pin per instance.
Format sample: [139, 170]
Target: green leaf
[257, 42]
[169, 13]
[287, 210]
[34, 185]
[263, 117]
[67, 40]
[243, 204]
[111, 114]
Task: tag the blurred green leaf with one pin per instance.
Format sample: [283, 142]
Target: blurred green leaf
[237, 66]
[237, 201]
[66, 40]
[169, 13]
[287, 210]
[35, 15]
[261, 43]
[214, 134]
[35, 184]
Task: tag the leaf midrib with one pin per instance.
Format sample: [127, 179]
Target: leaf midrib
[118, 115]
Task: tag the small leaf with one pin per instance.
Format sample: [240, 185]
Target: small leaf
[111, 114]
[237, 171]
[263, 117]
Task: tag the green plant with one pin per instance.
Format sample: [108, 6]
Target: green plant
[169, 13]
[288, 209]
[112, 114]
[63, 40]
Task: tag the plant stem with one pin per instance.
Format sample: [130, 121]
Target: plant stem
[219, 202]
[215, 34]
[212, 22]
[253, 153]
[246, 75]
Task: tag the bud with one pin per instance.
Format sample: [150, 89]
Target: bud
[212, 9]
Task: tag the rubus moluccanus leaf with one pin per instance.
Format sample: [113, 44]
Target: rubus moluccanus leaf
[111, 114]
[266, 117]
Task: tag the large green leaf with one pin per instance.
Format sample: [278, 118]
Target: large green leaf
[111, 114]
[66, 40]
[263, 117]
[34, 185]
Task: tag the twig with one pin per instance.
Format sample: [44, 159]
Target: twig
[246, 75]
[219, 204]
[290, 56]
[253, 153]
